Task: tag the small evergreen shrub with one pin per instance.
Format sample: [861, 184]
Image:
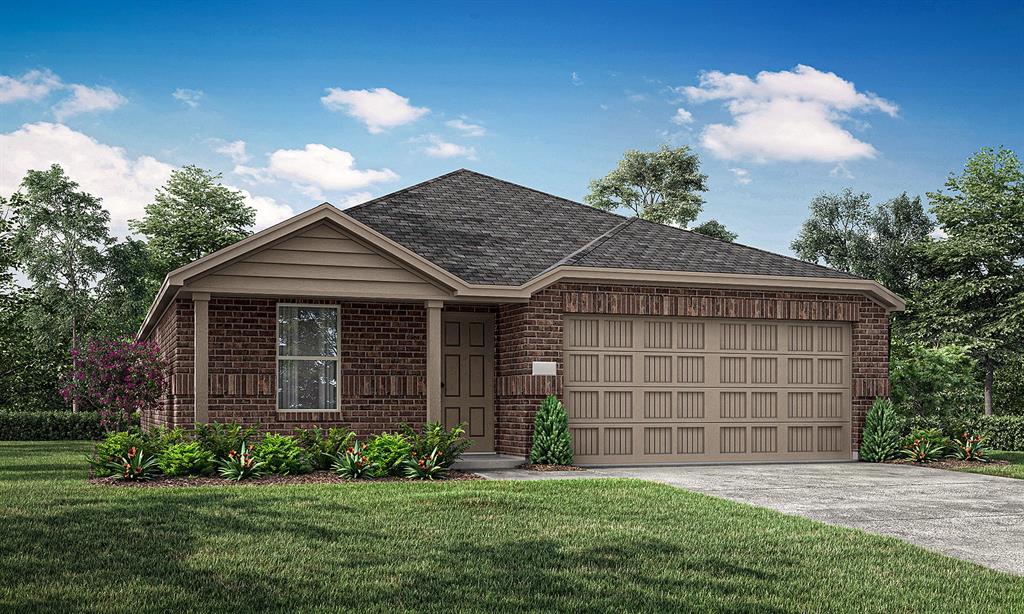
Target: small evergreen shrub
[881, 438]
[114, 446]
[186, 458]
[322, 447]
[552, 444]
[223, 438]
[281, 455]
[449, 443]
[387, 451]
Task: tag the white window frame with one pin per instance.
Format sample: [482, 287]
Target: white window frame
[278, 358]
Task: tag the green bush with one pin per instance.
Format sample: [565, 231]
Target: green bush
[281, 455]
[924, 451]
[971, 448]
[881, 438]
[353, 464]
[388, 451]
[186, 458]
[1000, 432]
[449, 443]
[933, 382]
[552, 444]
[223, 438]
[322, 447]
[112, 448]
[158, 439]
[428, 467]
[934, 436]
[49, 425]
[240, 465]
[135, 465]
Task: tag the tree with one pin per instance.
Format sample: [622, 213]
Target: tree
[975, 276]
[660, 186]
[59, 243]
[192, 215]
[716, 229]
[125, 292]
[898, 227]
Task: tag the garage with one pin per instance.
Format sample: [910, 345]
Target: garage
[661, 390]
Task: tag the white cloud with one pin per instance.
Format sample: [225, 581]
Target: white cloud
[840, 170]
[682, 117]
[436, 147]
[313, 169]
[125, 184]
[742, 175]
[351, 200]
[379, 108]
[268, 210]
[85, 99]
[575, 79]
[33, 85]
[189, 97]
[234, 150]
[466, 128]
[787, 115]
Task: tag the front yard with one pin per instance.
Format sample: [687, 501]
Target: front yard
[560, 545]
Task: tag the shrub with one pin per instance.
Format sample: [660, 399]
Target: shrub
[552, 444]
[240, 465]
[112, 448]
[924, 451]
[354, 464]
[322, 447]
[970, 448]
[934, 436]
[223, 438]
[117, 377]
[881, 438]
[429, 467]
[135, 465]
[387, 451]
[449, 443]
[186, 458]
[934, 382]
[159, 438]
[49, 425]
[1000, 432]
[281, 455]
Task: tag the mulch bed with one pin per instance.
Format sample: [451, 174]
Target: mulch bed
[530, 467]
[948, 463]
[316, 477]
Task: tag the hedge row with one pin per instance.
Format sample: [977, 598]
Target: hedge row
[49, 425]
[1002, 432]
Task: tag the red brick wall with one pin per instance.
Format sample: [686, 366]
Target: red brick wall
[533, 331]
[173, 336]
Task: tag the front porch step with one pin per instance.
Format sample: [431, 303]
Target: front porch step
[485, 461]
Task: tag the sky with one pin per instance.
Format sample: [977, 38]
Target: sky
[296, 103]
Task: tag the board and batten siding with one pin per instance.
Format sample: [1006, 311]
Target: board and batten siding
[321, 260]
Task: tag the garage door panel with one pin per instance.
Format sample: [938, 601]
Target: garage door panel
[647, 390]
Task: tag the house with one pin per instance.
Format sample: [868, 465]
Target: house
[468, 299]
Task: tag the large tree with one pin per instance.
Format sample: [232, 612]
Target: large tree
[192, 215]
[661, 186]
[125, 292]
[59, 243]
[974, 281]
[716, 229]
[848, 233]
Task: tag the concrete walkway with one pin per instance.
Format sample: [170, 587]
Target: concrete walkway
[973, 517]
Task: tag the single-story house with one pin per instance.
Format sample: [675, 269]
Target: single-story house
[468, 299]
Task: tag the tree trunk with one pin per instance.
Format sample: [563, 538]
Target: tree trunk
[74, 362]
[989, 377]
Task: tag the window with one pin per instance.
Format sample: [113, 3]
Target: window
[307, 358]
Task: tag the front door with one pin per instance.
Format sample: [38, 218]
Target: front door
[467, 375]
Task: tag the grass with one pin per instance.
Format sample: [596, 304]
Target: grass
[1014, 470]
[591, 545]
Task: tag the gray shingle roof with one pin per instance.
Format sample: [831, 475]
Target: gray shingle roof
[489, 231]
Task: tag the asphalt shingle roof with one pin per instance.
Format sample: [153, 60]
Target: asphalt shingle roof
[489, 231]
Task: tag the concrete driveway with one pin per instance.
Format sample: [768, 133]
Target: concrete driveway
[973, 517]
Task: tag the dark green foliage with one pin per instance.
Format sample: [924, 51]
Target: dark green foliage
[429, 467]
[925, 449]
[934, 436]
[240, 465]
[321, 446]
[1000, 432]
[450, 444]
[715, 229]
[970, 447]
[934, 382]
[281, 455]
[387, 451]
[354, 464]
[224, 438]
[49, 425]
[135, 465]
[186, 458]
[552, 444]
[880, 440]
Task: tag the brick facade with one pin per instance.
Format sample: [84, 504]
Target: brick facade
[382, 349]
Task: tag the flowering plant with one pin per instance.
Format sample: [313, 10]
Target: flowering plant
[135, 466]
[924, 451]
[240, 464]
[429, 467]
[117, 377]
[353, 464]
[971, 448]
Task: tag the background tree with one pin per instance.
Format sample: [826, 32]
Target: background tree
[716, 229]
[59, 244]
[974, 278]
[898, 228]
[192, 215]
[124, 293]
[661, 186]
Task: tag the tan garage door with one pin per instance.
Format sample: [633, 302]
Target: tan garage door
[649, 390]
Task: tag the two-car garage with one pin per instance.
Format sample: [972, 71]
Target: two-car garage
[651, 389]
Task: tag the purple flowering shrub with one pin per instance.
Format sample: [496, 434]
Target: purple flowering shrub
[116, 377]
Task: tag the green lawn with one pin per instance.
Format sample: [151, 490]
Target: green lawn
[560, 545]
[1014, 470]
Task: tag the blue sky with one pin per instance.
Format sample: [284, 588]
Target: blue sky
[879, 97]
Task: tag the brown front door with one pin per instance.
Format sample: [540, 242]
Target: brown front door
[467, 376]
